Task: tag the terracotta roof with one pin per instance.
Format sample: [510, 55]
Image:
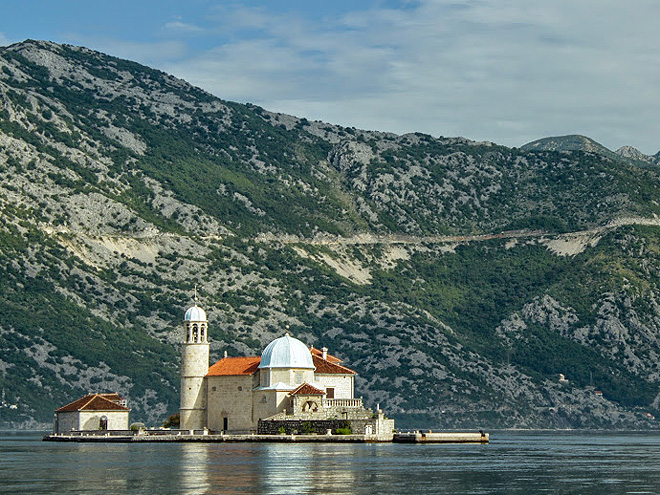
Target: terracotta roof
[231, 366]
[112, 396]
[327, 368]
[307, 389]
[319, 353]
[94, 402]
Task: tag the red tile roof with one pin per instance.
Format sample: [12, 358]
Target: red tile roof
[307, 389]
[95, 402]
[231, 366]
[319, 353]
[112, 396]
[328, 368]
[236, 366]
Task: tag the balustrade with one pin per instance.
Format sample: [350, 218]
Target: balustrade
[352, 403]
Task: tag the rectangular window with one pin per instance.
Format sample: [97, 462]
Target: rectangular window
[329, 393]
[298, 377]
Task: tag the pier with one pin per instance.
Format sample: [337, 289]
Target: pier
[441, 437]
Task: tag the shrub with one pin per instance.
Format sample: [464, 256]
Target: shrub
[308, 428]
[174, 421]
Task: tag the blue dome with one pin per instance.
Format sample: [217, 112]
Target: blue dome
[195, 314]
[286, 352]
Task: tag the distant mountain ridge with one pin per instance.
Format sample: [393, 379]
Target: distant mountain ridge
[458, 278]
[576, 142]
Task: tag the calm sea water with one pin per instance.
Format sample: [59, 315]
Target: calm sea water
[514, 463]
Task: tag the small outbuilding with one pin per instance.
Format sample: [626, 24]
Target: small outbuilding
[92, 412]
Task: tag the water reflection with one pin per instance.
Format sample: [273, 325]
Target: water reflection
[233, 468]
[307, 468]
[515, 463]
[286, 469]
[194, 474]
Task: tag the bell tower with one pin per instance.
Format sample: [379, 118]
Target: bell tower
[194, 367]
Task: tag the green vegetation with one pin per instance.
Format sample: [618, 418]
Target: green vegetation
[172, 421]
[344, 430]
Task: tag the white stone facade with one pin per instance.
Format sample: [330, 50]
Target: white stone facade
[342, 386]
[90, 421]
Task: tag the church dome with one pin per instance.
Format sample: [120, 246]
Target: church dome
[286, 352]
[195, 314]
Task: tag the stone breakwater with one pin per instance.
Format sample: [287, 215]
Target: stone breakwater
[204, 436]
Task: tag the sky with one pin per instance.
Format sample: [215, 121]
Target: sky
[508, 71]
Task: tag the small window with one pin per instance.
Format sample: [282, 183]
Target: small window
[264, 399]
[214, 389]
[240, 389]
[329, 393]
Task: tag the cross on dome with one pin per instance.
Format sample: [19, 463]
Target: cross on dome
[195, 313]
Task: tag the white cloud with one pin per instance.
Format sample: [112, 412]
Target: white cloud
[503, 71]
[4, 41]
[182, 27]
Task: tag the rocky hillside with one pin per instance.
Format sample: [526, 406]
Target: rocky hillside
[460, 279]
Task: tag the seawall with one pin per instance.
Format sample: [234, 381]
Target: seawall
[205, 436]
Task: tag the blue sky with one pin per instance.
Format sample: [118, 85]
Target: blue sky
[508, 71]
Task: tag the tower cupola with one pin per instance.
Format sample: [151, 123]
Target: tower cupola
[196, 325]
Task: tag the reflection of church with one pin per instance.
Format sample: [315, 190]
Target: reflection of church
[289, 384]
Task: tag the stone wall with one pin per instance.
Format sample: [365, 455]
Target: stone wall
[301, 427]
[350, 413]
[66, 421]
[230, 397]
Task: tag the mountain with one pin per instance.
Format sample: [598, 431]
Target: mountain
[637, 156]
[582, 143]
[573, 142]
[459, 278]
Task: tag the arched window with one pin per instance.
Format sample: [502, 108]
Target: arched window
[195, 332]
[103, 423]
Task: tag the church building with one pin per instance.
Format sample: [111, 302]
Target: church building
[92, 412]
[288, 383]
